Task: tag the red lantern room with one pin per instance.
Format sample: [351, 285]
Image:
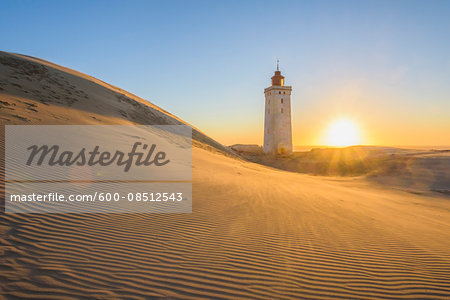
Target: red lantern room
[277, 79]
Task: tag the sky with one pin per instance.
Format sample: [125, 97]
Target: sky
[382, 65]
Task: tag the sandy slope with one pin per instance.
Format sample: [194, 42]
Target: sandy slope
[425, 171]
[34, 91]
[255, 232]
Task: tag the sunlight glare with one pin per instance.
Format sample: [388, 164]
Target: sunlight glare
[342, 132]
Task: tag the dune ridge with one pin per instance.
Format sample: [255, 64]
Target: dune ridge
[35, 91]
[255, 232]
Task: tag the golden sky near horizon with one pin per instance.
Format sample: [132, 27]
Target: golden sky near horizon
[318, 133]
[375, 119]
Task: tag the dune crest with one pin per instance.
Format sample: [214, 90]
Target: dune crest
[35, 91]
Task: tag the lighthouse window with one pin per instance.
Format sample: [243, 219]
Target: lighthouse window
[284, 92]
[281, 110]
[281, 100]
[279, 92]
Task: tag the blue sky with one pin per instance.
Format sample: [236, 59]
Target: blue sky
[383, 64]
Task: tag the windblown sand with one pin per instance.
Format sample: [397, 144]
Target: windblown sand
[255, 232]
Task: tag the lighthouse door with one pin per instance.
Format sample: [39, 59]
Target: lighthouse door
[281, 149]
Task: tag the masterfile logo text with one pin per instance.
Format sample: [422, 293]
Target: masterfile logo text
[98, 163]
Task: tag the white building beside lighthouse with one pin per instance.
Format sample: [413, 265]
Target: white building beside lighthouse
[277, 122]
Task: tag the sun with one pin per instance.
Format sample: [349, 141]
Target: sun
[342, 132]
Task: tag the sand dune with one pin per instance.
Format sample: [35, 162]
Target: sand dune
[255, 232]
[34, 91]
[417, 171]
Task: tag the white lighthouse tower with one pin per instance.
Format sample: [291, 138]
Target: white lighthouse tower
[277, 122]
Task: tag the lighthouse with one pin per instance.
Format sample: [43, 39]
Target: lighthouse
[277, 121]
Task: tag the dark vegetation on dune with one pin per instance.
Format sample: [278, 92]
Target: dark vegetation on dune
[377, 163]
